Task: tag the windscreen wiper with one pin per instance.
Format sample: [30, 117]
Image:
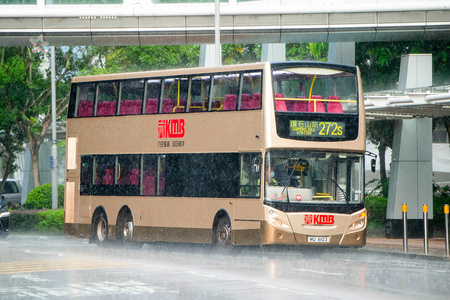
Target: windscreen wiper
[347, 200]
[289, 180]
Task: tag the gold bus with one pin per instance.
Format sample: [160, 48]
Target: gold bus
[252, 154]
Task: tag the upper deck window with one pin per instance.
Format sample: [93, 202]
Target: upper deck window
[85, 99]
[174, 95]
[199, 93]
[131, 95]
[315, 90]
[209, 92]
[107, 96]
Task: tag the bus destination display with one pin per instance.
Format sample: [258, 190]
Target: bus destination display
[316, 128]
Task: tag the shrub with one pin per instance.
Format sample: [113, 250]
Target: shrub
[51, 221]
[376, 209]
[23, 221]
[438, 212]
[41, 197]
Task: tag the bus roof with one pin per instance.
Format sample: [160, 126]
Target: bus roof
[171, 72]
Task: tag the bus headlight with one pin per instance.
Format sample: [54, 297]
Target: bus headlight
[276, 222]
[357, 225]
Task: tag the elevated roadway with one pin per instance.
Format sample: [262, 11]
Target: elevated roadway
[139, 22]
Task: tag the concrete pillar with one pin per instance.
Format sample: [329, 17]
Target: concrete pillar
[411, 167]
[207, 55]
[341, 53]
[273, 52]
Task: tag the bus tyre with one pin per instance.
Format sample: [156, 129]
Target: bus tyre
[126, 232]
[100, 229]
[222, 234]
[127, 229]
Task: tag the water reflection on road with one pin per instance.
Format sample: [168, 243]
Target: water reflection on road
[66, 267]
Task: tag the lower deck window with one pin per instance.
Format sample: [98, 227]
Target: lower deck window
[214, 175]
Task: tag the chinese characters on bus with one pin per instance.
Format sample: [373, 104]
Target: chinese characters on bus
[170, 129]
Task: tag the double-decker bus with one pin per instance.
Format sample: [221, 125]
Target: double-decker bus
[252, 154]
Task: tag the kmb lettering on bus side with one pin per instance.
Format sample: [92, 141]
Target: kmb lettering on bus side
[171, 129]
[319, 219]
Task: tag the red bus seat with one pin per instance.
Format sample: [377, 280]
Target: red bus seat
[335, 107]
[230, 102]
[108, 178]
[256, 101]
[246, 102]
[167, 107]
[320, 106]
[152, 106]
[149, 184]
[85, 108]
[280, 105]
[134, 177]
[301, 105]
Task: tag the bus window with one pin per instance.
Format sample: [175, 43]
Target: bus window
[199, 93]
[162, 175]
[250, 175]
[132, 92]
[127, 179]
[149, 175]
[85, 99]
[153, 95]
[225, 91]
[251, 91]
[107, 96]
[315, 90]
[85, 175]
[103, 175]
[174, 95]
[314, 177]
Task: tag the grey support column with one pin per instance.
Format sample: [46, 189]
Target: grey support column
[411, 167]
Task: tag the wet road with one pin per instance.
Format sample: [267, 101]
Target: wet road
[66, 267]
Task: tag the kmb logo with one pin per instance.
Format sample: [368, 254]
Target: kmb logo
[169, 129]
[319, 219]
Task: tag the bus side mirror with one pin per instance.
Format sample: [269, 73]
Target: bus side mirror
[373, 161]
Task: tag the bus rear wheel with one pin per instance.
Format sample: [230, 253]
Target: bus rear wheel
[100, 229]
[222, 234]
[126, 232]
[127, 229]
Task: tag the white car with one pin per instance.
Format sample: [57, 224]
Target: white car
[12, 191]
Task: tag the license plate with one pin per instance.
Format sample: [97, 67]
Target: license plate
[318, 239]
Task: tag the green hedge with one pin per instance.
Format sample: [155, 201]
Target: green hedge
[51, 221]
[376, 209]
[23, 221]
[41, 197]
[438, 211]
[45, 221]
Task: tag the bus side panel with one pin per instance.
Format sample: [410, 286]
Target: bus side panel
[172, 234]
[246, 223]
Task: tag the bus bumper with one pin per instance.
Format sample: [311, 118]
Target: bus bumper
[291, 228]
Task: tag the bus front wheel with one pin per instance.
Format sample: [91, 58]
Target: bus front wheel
[222, 234]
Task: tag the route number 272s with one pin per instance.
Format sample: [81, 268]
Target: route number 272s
[330, 128]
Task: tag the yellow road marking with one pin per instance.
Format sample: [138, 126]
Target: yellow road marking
[57, 265]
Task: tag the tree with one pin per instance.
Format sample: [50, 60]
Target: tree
[10, 137]
[26, 92]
